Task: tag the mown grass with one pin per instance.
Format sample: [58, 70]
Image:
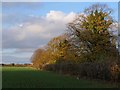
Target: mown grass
[23, 77]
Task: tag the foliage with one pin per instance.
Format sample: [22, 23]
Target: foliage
[37, 58]
[88, 49]
[91, 32]
[60, 50]
[104, 71]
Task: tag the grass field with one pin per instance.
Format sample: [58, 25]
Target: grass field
[23, 77]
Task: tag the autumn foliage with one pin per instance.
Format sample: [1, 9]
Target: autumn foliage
[88, 49]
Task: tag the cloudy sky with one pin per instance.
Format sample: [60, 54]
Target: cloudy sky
[27, 26]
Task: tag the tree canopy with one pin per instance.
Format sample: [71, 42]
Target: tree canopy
[88, 39]
[91, 30]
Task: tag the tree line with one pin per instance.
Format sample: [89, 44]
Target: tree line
[86, 49]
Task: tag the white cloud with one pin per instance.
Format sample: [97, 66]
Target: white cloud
[37, 31]
[60, 16]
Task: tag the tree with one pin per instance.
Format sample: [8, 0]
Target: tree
[37, 58]
[91, 32]
[57, 47]
[61, 50]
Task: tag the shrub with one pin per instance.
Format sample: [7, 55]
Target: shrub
[104, 71]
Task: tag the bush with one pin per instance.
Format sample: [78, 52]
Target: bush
[48, 67]
[104, 71]
[93, 70]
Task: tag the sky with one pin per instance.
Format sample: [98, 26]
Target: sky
[27, 26]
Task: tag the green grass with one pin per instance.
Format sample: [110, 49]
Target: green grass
[23, 77]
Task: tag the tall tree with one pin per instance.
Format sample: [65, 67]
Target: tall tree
[91, 31]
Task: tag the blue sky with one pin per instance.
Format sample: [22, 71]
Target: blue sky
[28, 26]
[25, 9]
